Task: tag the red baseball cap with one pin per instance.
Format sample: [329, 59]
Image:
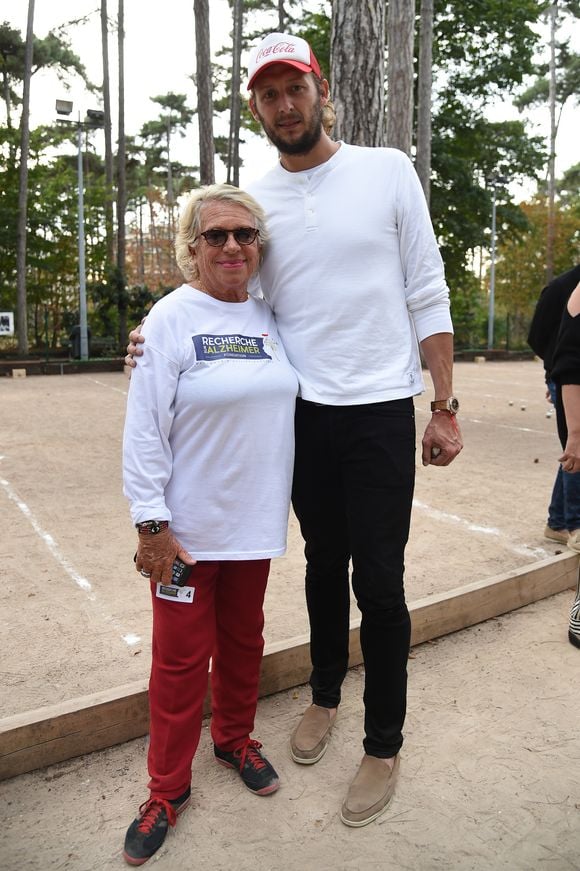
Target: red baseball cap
[281, 48]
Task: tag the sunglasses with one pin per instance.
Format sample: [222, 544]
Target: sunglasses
[218, 238]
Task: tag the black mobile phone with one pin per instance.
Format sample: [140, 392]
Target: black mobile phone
[181, 573]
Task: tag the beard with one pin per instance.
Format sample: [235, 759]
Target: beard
[305, 143]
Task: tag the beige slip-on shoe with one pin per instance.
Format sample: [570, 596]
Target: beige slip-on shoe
[573, 540]
[559, 535]
[370, 792]
[310, 738]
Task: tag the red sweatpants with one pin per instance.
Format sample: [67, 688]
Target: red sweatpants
[224, 622]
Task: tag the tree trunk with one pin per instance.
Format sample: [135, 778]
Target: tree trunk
[169, 182]
[400, 44]
[425, 88]
[551, 230]
[234, 142]
[121, 182]
[155, 242]
[141, 248]
[109, 230]
[281, 16]
[204, 92]
[6, 93]
[21, 308]
[357, 70]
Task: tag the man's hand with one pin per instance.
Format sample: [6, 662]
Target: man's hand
[570, 459]
[155, 556]
[133, 349]
[442, 440]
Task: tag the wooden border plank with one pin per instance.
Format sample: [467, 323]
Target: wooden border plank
[473, 603]
[53, 734]
[59, 732]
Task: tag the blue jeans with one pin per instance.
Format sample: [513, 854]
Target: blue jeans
[564, 510]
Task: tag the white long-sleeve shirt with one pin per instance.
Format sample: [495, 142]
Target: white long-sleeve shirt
[209, 432]
[353, 274]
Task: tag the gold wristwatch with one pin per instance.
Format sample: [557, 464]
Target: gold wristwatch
[451, 405]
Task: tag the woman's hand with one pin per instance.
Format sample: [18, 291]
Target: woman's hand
[156, 554]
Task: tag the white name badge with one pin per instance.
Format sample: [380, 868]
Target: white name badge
[175, 594]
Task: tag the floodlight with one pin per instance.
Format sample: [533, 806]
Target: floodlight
[95, 117]
[64, 107]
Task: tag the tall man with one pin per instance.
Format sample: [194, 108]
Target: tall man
[355, 278]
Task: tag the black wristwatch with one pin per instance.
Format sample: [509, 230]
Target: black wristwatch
[451, 405]
[151, 527]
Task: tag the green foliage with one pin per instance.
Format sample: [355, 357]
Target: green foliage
[52, 52]
[469, 313]
[8, 212]
[55, 52]
[109, 297]
[12, 53]
[52, 235]
[154, 151]
[567, 80]
[482, 50]
[568, 188]
[521, 262]
[466, 151]
[269, 22]
[314, 27]
[485, 48]
[175, 118]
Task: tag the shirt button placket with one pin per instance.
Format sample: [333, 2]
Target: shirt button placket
[310, 211]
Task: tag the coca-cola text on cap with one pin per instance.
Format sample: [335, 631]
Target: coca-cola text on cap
[281, 48]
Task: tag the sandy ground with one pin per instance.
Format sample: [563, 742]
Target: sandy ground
[489, 777]
[69, 588]
[492, 732]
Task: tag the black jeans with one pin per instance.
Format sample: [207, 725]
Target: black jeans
[353, 487]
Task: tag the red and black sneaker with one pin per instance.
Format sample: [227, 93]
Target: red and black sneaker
[255, 771]
[146, 833]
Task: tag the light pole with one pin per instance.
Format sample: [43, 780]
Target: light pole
[494, 180]
[94, 119]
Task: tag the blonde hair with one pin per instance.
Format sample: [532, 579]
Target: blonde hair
[328, 117]
[190, 222]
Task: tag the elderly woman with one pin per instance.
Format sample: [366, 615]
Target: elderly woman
[208, 453]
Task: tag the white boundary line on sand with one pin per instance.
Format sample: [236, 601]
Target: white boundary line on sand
[519, 549]
[107, 386]
[130, 638]
[517, 428]
[542, 432]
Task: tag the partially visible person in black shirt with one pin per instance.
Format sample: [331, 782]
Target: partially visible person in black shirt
[566, 374]
[563, 522]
